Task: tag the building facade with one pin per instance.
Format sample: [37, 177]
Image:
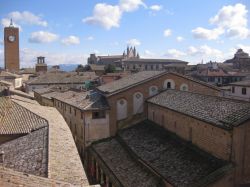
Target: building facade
[11, 48]
[239, 90]
[126, 96]
[41, 66]
[240, 61]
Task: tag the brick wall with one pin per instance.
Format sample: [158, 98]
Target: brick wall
[144, 89]
[212, 139]
[241, 152]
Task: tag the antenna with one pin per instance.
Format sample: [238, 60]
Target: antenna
[11, 23]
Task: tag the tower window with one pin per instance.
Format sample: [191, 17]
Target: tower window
[244, 91]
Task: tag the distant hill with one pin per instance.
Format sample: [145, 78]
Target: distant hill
[67, 67]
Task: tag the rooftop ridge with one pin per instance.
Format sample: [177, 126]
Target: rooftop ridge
[134, 84]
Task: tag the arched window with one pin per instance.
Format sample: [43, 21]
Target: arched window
[138, 103]
[184, 87]
[153, 90]
[169, 84]
[122, 109]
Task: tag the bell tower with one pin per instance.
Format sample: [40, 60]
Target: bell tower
[11, 48]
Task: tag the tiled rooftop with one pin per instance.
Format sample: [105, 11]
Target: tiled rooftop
[222, 112]
[28, 154]
[62, 78]
[83, 100]
[15, 119]
[141, 77]
[152, 61]
[9, 74]
[245, 83]
[50, 95]
[178, 162]
[129, 81]
[128, 171]
[64, 163]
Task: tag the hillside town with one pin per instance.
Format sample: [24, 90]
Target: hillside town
[123, 120]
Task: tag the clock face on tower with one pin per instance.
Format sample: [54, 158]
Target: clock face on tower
[11, 38]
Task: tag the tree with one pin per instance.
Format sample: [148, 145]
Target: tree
[109, 68]
[81, 68]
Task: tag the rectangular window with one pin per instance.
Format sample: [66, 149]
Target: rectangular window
[244, 91]
[98, 114]
[233, 89]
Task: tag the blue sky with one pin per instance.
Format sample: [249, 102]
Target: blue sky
[68, 31]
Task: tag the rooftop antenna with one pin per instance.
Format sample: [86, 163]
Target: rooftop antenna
[11, 23]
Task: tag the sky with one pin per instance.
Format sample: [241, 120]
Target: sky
[66, 32]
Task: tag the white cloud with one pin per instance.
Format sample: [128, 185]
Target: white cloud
[1, 42]
[28, 58]
[212, 34]
[24, 17]
[174, 53]
[90, 38]
[105, 15]
[205, 52]
[240, 32]
[156, 7]
[109, 16]
[231, 19]
[192, 50]
[231, 16]
[148, 54]
[179, 38]
[134, 42]
[167, 32]
[71, 40]
[130, 5]
[42, 37]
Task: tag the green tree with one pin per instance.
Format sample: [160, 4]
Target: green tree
[109, 68]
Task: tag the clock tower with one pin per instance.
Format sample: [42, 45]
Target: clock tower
[11, 48]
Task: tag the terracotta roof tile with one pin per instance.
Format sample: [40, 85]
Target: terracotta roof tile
[222, 112]
[15, 119]
[129, 81]
[177, 161]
